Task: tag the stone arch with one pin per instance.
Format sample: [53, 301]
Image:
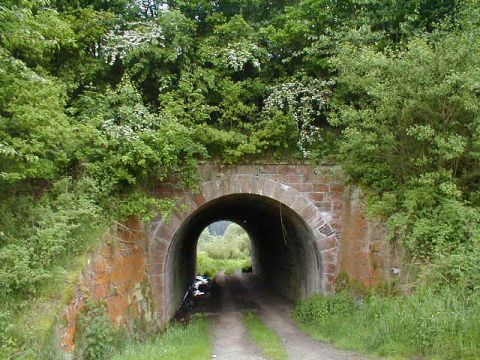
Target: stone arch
[246, 189]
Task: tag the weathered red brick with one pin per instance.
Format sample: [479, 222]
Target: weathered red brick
[321, 188]
[268, 169]
[316, 196]
[337, 188]
[297, 178]
[287, 170]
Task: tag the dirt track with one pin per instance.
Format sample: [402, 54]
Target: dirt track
[231, 340]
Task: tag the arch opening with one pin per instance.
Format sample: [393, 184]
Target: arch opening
[284, 254]
[223, 246]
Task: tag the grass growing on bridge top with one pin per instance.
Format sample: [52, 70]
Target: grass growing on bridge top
[178, 342]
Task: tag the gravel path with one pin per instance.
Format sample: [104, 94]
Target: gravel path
[231, 340]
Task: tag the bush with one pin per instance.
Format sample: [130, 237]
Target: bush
[96, 338]
[57, 226]
[321, 308]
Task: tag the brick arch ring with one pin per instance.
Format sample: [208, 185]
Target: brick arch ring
[164, 231]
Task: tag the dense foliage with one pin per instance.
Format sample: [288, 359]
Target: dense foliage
[97, 98]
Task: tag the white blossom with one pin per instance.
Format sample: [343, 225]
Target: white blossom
[119, 42]
[135, 122]
[237, 55]
[305, 101]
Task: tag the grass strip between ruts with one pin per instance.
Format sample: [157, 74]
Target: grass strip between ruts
[265, 338]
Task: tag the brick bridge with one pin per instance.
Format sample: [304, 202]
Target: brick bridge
[304, 224]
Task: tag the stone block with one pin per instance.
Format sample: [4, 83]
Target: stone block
[303, 187]
[283, 178]
[287, 197]
[329, 255]
[247, 169]
[300, 203]
[258, 184]
[318, 221]
[337, 188]
[297, 178]
[316, 196]
[309, 212]
[321, 188]
[279, 191]
[209, 190]
[288, 169]
[157, 268]
[324, 205]
[268, 169]
[330, 268]
[174, 222]
[163, 233]
[269, 188]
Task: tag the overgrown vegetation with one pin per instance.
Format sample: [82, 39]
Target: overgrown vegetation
[177, 342]
[99, 98]
[228, 252]
[265, 338]
[440, 324]
[97, 338]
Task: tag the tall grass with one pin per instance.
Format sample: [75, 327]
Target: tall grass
[178, 342]
[210, 267]
[436, 325]
[265, 338]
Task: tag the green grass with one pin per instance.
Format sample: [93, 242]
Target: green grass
[264, 337]
[178, 342]
[442, 325]
[210, 267]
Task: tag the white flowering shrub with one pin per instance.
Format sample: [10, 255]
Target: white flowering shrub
[138, 122]
[131, 119]
[120, 41]
[237, 55]
[307, 101]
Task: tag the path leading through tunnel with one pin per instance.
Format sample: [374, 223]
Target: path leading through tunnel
[240, 292]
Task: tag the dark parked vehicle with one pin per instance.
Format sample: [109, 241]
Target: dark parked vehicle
[200, 289]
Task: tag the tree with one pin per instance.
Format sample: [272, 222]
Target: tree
[410, 132]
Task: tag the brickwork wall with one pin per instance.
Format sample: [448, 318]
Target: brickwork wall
[116, 273]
